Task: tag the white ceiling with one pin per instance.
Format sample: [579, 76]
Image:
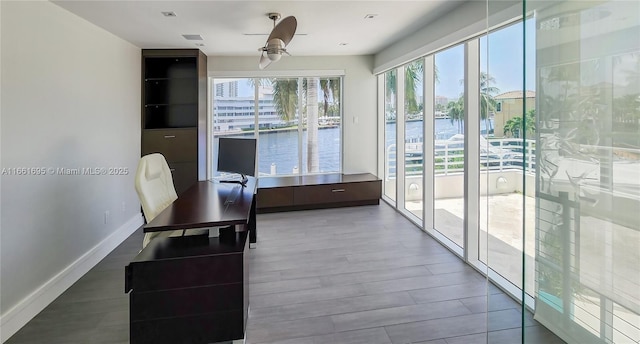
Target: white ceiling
[223, 24]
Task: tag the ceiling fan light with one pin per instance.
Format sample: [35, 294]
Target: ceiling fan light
[274, 57]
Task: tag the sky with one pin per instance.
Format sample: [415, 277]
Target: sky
[502, 60]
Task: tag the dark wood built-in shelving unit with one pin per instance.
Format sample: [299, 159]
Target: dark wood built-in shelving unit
[174, 100]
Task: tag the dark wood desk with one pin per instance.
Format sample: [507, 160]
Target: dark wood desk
[205, 204]
[192, 289]
[195, 289]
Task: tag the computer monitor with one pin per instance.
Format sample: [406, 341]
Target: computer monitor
[237, 155]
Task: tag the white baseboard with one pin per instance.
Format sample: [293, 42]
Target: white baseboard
[15, 318]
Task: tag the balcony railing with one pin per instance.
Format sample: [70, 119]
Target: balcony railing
[448, 156]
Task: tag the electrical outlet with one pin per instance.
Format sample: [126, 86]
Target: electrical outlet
[106, 217]
[124, 206]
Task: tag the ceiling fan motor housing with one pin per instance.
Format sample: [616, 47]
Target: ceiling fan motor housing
[275, 46]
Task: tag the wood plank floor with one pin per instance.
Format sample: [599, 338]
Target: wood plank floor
[362, 275]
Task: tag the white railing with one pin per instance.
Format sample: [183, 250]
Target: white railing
[448, 156]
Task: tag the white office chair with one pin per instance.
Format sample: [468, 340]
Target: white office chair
[154, 185]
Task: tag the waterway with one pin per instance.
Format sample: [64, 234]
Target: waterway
[279, 149]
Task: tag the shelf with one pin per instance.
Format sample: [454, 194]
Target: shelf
[170, 68]
[173, 78]
[171, 116]
[171, 91]
[172, 104]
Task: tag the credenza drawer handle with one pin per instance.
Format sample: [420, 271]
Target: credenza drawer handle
[169, 136]
[172, 169]
[338, 190]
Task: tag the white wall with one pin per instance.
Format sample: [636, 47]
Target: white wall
[70, 99]
[359, 98]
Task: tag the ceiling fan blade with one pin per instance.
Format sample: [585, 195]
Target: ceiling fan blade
[284, 30]
[264, 61]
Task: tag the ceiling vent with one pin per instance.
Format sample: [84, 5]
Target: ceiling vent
[192, 37]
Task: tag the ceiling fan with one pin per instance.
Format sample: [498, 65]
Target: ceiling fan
[279, 38]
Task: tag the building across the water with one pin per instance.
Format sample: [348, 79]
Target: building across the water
[234, 113]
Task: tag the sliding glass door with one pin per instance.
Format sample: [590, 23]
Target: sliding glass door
[448, 142]
[530, 165]
[390, 144]
[588, 173]
[414, 138]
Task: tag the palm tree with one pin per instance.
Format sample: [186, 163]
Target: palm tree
[285, 97]
[413, 73]
[455, 111]
[412, 76]
[487, 102]
[515, 126]
[313, 157]
[331, 93]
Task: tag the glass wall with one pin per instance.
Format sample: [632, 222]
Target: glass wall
[448, 138]
[414, 137]
[507, 160]
[270, 109]
[588, 175]
[390, 126]
[535, 166]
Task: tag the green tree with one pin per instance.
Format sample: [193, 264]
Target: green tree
[455, 111]
[413, 76]
[515, 126]
[285, 97]
[330, 94]
[413, 73]
[487, 100]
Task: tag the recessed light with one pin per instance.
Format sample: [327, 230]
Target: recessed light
[192, 37]
[169, 14]
[370, 16]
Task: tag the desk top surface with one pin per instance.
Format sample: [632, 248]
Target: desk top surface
[207, 204]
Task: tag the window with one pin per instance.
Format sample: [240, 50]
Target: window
[390, 134]
[297, 121]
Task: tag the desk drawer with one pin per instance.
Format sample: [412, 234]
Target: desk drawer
[274, 197]
[177, 145]
[336, 193]
[207, 328]
[185, 272]
[186, 302]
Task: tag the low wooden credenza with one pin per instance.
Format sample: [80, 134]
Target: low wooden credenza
[317, 191]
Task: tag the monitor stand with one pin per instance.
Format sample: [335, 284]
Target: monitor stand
[242, 182]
